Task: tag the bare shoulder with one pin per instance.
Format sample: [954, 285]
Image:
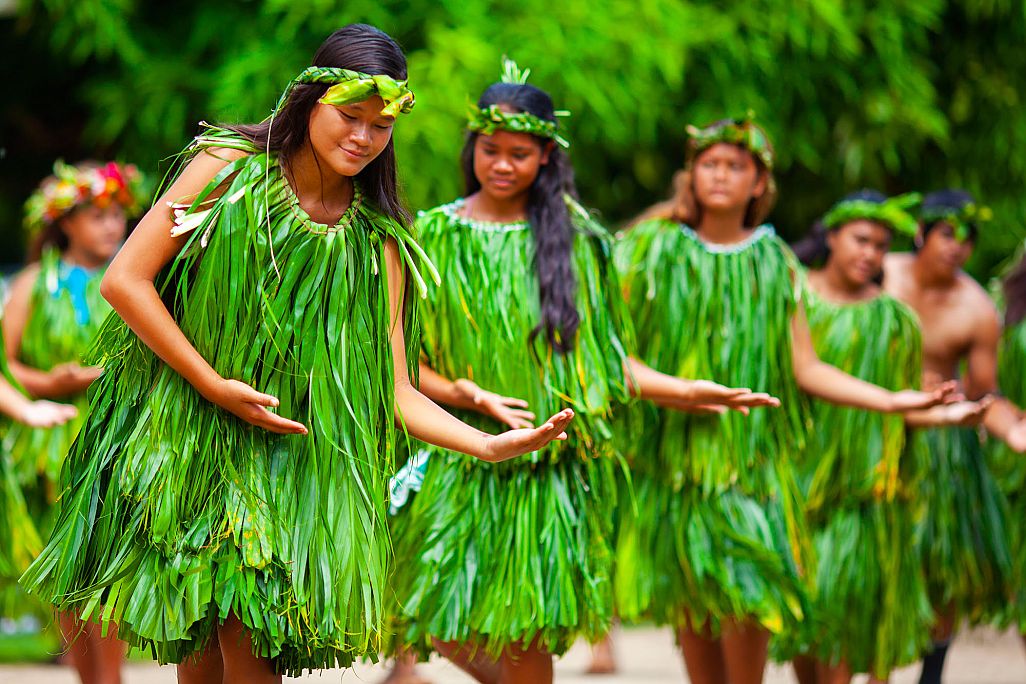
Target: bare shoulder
[896, 268]
[200, 171]
[973, 297]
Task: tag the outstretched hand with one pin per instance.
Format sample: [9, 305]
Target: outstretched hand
[706, 392]
[507, 410]
[517, 442]
[913, 400]
[251, 406]
[967, 413]
[47, 414]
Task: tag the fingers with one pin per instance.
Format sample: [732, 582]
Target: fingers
[754, 399]
[945, 389]
[558, 422]
[513, 402]
[523, 415]
[66, 411]
[272, 422]
[722, 394]
[252, 396]
[516, 423]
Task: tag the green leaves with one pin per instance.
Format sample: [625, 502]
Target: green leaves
[863, 456]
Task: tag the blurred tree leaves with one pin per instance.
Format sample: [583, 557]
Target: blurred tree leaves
[899, 94]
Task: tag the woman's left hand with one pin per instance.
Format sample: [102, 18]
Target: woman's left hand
[913, 400]
[706, 392]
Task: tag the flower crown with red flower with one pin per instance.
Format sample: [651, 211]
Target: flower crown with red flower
[73, 186]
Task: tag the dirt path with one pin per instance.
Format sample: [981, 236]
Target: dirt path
[647, 657]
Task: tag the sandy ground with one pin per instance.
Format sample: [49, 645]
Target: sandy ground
[647, 656]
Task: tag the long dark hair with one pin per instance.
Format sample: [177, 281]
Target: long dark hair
[357, 47]
[547, 213]
[813, 250]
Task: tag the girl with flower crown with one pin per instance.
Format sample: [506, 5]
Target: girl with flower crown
[78, 219]
[506, 565]
[860, 471]
[225, 501]
[717, 545]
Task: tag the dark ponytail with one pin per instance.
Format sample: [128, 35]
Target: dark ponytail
[547, 213]
[357, 47]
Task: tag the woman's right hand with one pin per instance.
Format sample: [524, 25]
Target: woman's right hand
[507, 410]
[46, 414]
[251, 406]
[72, 378]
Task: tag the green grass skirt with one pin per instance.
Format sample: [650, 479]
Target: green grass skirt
[685, 558]
[870, 607]
[500, 554]
[965, 537]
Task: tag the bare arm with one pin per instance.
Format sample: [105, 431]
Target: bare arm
[62, 380]
[34, 413]
[428, 422]
[981, 375]
[129, 287]
[673, 392]
[834, 385]
[981, 360]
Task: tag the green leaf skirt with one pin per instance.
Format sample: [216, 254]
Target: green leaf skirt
[495, 555]
[965, 536]
[870, 606]
[687, 558]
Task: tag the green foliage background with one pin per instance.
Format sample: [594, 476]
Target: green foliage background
[895, 94]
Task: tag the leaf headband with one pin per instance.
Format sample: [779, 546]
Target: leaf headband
[744, 132]
[350, 87]
[492, 118]
[962, 219]
[894, 212]
[74, 186]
